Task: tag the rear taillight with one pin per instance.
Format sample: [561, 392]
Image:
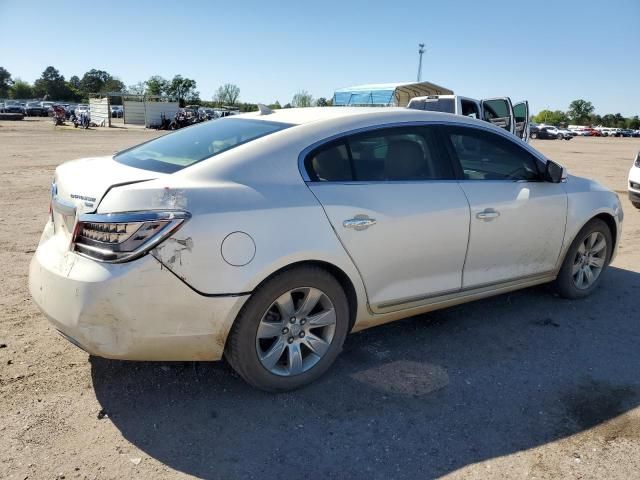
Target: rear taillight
[122, 237]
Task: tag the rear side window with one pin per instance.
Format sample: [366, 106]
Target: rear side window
[395, 154]
[191, 145]
[486, 155]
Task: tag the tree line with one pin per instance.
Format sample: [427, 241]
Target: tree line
[582, 112]
[53, 86]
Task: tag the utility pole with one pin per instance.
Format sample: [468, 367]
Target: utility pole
[420, 52]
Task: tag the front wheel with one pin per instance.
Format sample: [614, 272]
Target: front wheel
[586, 260]
[636, 204]
[290, 331]
[534, 135]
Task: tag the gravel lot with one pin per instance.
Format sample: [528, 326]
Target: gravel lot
[524, 385]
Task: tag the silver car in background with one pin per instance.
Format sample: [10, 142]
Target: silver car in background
[268, 237]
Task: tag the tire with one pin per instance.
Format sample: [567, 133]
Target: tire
[247, 353]
[560, 136]
[534, 135]
[566, 284]
[636, 204]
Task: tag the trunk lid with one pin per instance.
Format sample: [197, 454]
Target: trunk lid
[80, 185]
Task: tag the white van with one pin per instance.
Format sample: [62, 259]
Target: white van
[499, 111]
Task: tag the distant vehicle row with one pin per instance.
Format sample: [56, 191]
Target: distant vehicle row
[550, 132]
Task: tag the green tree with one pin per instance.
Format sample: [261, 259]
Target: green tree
[322, 102]
[5, 82]
[302, 99]
[634, 122]
[227, 94]
[20, 90]
[184, 89]
[74, 81]
[157, 86]
[275, 105]
[51, 85]
[580, 110]
[551, 117]
[93, 81]
[113, 85]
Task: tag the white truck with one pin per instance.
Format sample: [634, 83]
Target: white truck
[500, 111]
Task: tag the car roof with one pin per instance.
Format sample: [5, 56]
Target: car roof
[301, 116]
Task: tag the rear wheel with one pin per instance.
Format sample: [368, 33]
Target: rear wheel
[534, 135]
[290, 331]
[585, 261]
[636, 204]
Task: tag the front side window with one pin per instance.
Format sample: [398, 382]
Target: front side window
[185, 147]
[488, 156]
[392, 154]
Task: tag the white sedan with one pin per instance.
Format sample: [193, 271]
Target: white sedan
[267, 237]
[634, 182]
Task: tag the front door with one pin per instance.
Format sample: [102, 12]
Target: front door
[392, 198]
[517, 219]
[499, 111]
[521, 119]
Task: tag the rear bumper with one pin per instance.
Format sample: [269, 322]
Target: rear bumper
[131, 311]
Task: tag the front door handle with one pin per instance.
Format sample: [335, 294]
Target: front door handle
[359, 222]
[487, 214]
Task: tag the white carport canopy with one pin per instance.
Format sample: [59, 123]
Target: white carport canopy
[387, 94]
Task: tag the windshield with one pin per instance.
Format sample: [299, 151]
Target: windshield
[185, 147]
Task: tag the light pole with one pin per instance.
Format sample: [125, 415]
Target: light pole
[420, 52]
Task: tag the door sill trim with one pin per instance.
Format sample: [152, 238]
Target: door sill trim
[459, 295]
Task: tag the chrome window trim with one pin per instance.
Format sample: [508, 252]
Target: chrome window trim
[488, 128]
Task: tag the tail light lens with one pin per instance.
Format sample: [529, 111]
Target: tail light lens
[122, 237]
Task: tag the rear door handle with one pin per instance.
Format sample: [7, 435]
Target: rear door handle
[359, 222]
[487, 214]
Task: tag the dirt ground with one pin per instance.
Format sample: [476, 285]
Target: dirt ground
[524, 385]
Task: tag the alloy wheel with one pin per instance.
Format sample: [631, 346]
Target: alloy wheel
[296, 331]
[589, 260]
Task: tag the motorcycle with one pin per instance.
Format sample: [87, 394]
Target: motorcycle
[58, 115]
[82, 120]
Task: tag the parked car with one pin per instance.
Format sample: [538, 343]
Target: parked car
[81, 108]
[1, 107]
[117, 111]
[634, 182]
[34, 109]
[546, 133]
[13, 107]
[626, 132]
[636, 133]
[267, 237]
[70, 110]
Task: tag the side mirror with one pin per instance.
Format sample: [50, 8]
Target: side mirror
[553, 172]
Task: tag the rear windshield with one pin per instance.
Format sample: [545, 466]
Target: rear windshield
[445, 105]
[185, 147]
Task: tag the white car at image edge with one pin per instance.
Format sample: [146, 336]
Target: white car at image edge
[267, 237]
[634, 182]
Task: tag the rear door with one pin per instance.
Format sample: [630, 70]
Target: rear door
[521, 119]
[499, 111]
[393, 200]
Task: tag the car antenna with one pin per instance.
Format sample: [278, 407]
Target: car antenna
[264, 110]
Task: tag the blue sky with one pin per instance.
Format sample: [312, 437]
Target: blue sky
[547, 52]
